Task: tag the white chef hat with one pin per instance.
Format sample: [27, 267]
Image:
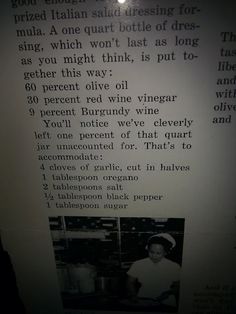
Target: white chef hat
[164, 239]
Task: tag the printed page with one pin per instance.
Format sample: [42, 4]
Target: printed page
[118, 132]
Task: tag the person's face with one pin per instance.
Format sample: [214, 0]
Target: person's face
[156, 252]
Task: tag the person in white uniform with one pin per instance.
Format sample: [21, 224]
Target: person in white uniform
[156, 276]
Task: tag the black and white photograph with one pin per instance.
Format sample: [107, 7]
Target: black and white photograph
[118, 263]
